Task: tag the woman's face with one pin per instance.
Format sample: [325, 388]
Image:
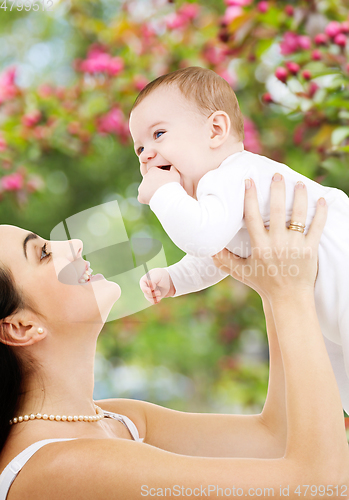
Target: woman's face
[48, 273]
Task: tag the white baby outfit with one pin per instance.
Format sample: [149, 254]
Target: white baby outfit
[214, 221]
[10, 472]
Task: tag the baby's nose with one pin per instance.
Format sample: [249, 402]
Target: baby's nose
[147, 155]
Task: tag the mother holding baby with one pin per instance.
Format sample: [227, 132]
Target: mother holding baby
[57, 443]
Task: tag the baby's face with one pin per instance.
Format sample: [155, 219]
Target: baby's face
[168, 130]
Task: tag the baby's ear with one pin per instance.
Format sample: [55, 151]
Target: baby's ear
[219, 123]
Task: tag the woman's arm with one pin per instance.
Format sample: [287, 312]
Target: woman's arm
[316, 449]
[274, 411]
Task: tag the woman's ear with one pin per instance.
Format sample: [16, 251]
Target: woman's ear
[219, 123]
[21, 330]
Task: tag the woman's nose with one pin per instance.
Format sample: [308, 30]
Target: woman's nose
[70, 249]
[76, 247]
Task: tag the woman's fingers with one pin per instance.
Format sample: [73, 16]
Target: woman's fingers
[300, 204]
[253, 219]
[277, 204]
[228, 262]
[317, 224]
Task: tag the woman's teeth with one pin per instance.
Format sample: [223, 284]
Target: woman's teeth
[86, 276]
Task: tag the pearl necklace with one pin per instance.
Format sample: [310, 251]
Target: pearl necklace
[63, 418]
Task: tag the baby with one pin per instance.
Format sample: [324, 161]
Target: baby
[188, 133]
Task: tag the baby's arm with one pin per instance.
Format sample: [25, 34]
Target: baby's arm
[190, 274]
[203, 227]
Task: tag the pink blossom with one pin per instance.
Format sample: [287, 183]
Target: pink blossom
[3, 143]
[60, 93]
[299, 133]
[340, 40]
[313, 87]
[292, 67]
[345, 27]
[232, 13]
[95, 50]
[306, 74]
[41, 133]
[263, 7]
[289, 44]
[333, 28]
[140, 82]
[189, 10]
[98, 62]
[214, 55]
[321, 39]
[267, 98]
[32, 118]
[252, 139]
[115, 66]
[45, 90]
[238, 3]
[112, 122]
[8, 77]
[316, 55]
[12, 182]
[281, 74]
[147, 31]
[304, 42]
[229, 76]
[289, 10]
[8, 89]
[176, 21]
[73, 128]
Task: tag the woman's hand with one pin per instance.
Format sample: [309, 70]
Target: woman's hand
[283, 261]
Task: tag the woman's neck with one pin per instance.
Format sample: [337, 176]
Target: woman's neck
[64, 381]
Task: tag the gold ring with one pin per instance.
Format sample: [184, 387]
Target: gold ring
[299, 224]
[296, 228]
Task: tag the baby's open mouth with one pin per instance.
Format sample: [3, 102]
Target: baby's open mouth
[165, 167]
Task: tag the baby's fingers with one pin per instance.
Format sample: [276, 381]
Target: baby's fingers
[318, 224]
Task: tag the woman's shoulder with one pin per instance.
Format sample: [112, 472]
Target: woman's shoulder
[134, 409]
[79, 468]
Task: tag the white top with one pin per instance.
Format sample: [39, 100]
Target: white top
[10, 472]
[215, 221]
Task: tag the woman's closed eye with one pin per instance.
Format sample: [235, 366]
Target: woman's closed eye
[44, 253]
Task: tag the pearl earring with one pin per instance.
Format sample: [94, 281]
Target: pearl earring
[40, 330]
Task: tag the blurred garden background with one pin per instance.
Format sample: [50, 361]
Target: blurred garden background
[68, 80]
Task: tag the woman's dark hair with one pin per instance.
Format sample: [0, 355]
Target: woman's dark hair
[12, 367]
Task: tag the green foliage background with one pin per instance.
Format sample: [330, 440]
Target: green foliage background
[206, 351]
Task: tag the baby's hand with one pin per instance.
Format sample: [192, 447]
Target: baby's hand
[153, 179]
[159, 285]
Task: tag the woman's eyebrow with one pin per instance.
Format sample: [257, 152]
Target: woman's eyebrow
[30, 236]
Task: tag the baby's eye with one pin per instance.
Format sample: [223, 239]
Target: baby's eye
[156, 134]
[139, 150]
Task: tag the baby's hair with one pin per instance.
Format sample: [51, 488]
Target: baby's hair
[209, 91]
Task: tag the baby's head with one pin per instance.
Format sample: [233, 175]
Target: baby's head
[189, 119]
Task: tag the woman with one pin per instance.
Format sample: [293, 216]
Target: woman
[52, 329]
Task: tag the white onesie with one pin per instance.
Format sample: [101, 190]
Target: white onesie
[214, 221]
